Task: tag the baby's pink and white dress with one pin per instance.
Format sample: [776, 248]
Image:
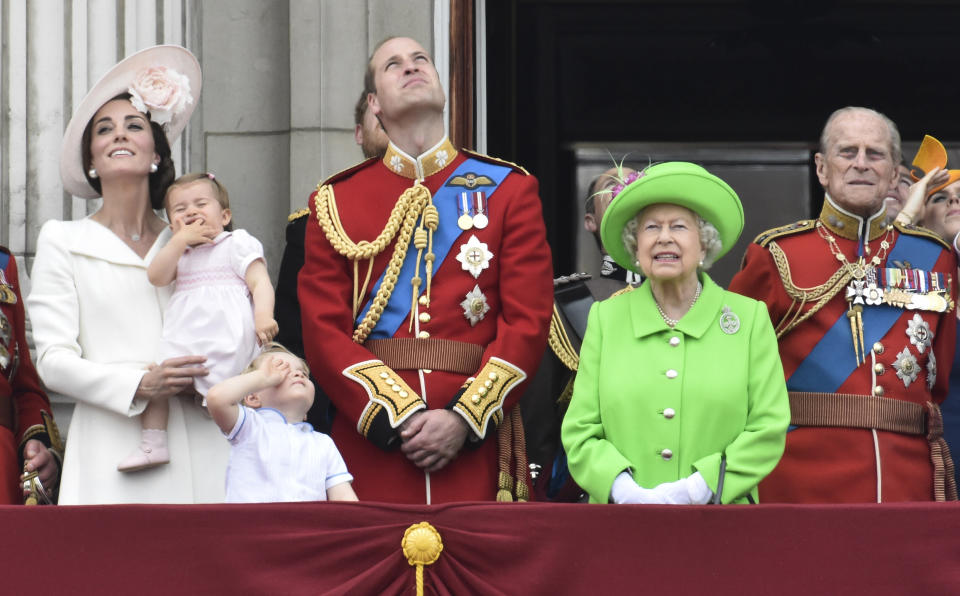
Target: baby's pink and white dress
[211, 312]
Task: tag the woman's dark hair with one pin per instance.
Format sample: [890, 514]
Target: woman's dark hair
[159, 180]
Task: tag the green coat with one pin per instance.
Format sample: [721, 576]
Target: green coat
[696, 391]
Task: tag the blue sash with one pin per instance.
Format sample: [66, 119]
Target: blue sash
[446, 200]
[831, 361]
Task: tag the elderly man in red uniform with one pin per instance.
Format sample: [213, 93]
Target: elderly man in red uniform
[29, 438]
[864, 311]
[426, 297]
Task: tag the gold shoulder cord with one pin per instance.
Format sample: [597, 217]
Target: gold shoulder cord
[403, 219]
[560, 342]
[822, 293]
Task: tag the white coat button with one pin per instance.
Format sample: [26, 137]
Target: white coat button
[671, 374]
[669, 413]
[674, 341]
[666, 454]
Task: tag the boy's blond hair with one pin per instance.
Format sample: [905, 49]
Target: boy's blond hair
[274, 348]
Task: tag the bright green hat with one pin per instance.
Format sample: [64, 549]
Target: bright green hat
[675, 183]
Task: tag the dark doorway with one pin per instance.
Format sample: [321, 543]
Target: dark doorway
[564, 73]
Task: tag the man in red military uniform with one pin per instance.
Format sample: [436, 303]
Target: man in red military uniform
[426, 298]
[864, 311]
[28, 434]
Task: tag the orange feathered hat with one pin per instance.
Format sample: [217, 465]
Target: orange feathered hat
[932, 155]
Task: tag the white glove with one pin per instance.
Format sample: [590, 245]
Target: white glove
[626, 490]
[692, 490]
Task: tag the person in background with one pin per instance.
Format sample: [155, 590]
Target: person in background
[934, 203]
[897, 193]
[864, 313]
[29, 438]
[276, 456]
[545, 401]
[373, 143]
[679, 396]
[96, 317]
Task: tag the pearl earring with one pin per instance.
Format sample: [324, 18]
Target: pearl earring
[637, 263]
[153, 168]
[92, 172]
[701, 262]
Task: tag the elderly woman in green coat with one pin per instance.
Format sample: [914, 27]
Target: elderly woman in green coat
[680, 396]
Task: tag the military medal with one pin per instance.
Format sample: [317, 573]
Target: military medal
[907, 367]
[729, 321]
[480, 219]
[862, 288]
[919, 333]
[475, 306]
[6, 330]
[931, 370]
[7, 295]
[465, 221]
[474, 256]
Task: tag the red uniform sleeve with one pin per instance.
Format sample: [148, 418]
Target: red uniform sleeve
[759, 279]
[30, 401]
[945, 335]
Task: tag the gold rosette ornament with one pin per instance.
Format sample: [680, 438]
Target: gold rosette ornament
[421, 546]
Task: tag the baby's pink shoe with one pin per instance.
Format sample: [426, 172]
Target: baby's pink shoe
[152, 452]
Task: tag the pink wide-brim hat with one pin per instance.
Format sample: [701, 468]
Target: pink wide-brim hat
[118, 80]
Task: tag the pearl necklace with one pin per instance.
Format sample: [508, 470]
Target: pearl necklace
[673, 322]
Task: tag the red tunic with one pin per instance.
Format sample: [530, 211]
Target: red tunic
[517, 286]
[19, 388]
[841, 465]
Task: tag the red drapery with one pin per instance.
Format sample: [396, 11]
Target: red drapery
[521, 548]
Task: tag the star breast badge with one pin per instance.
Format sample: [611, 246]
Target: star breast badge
[475, 306]
[474, 256]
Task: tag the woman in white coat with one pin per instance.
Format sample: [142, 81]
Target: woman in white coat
[96, 317]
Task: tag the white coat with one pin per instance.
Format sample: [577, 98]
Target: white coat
[96, 323]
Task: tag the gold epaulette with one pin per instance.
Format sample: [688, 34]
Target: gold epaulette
[503, 162]
[559, 342]
[298, 214]
[347, 172]
[628, 288]
[803, 225]
[914, 230]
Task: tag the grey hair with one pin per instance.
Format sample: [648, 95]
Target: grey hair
[709, 238]
[896, 152]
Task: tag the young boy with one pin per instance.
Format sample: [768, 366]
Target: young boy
[275, 456]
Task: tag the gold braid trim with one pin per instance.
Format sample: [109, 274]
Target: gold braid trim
[484, 396]
[560, 342]
[385, 389]
[822, 293]
[403, 219]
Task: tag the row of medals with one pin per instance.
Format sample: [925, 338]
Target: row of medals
[863, 289]
[472, 209]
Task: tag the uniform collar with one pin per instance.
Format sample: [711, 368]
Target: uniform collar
[646, 320]
[847, 225]
[418, 168]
